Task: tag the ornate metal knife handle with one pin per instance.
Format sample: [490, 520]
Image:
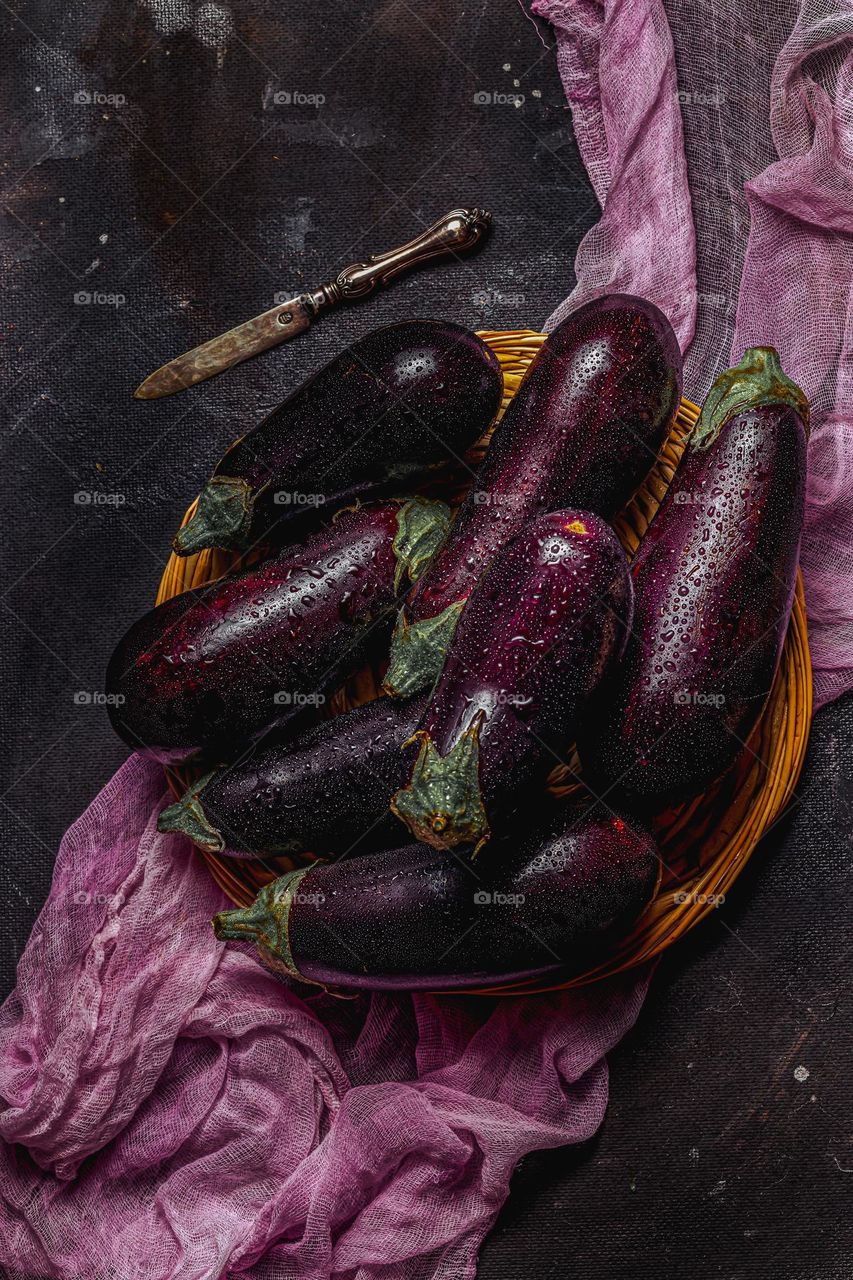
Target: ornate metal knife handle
[457, 232]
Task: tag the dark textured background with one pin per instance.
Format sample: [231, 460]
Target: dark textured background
[196, 199]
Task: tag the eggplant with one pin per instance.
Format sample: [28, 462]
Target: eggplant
[404, 398]
[714, 581]
[414, 918]
[216, 667]
[326, 791]
[536, 636]
[583, 430]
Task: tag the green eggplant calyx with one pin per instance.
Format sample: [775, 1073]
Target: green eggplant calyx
[267, 921]
[442, 804]
[418, 650]
[422, 526]
[186, 817]
[223, 518]
[757, 378]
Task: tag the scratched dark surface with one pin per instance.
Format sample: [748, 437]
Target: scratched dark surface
[150, 161]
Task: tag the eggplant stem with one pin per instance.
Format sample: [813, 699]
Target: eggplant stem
[418, 651]
[186, 817]
[757, 378]
[267, 921]
[422, 526]
[442, 804]
[223, 518]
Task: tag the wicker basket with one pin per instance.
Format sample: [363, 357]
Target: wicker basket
[704, 845]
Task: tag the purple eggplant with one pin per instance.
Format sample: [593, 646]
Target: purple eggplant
[415, 918]
[216, 667]
[404, 398]
[714, 582]
[535, 638]
[583, 430]
[325, 791]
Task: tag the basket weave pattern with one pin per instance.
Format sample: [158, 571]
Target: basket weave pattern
[704, 845]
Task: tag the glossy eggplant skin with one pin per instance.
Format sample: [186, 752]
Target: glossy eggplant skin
[401, 399]
[414, 918]
[217, 667]
[326, 791]
[714, 581]
[538, 633]
[583, 430]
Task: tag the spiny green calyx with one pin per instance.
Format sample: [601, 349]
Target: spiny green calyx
[267, 921]
[442, 804]
[422, 526]
[757, 378]
[418, 650]
[223, 518]
[187, 818]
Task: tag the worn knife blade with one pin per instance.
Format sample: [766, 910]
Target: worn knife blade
[457, 232]
[248, 339]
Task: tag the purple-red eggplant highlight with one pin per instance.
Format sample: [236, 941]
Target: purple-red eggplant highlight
[537, 634]
[714, 582]
[583, 430]
[215, 667]
[326, 791]
[416, 918]
[404, 398]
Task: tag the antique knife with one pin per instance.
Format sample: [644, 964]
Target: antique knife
[456, 232]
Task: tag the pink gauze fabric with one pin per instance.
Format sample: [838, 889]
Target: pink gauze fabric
[726, 169]
[170, 1109]
[181, 1112]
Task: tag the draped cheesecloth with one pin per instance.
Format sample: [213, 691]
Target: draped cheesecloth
[170, 1109]
[719, 137]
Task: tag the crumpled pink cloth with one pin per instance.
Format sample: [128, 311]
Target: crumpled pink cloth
[728, 200]
[172, 1110]
[181, 1112]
